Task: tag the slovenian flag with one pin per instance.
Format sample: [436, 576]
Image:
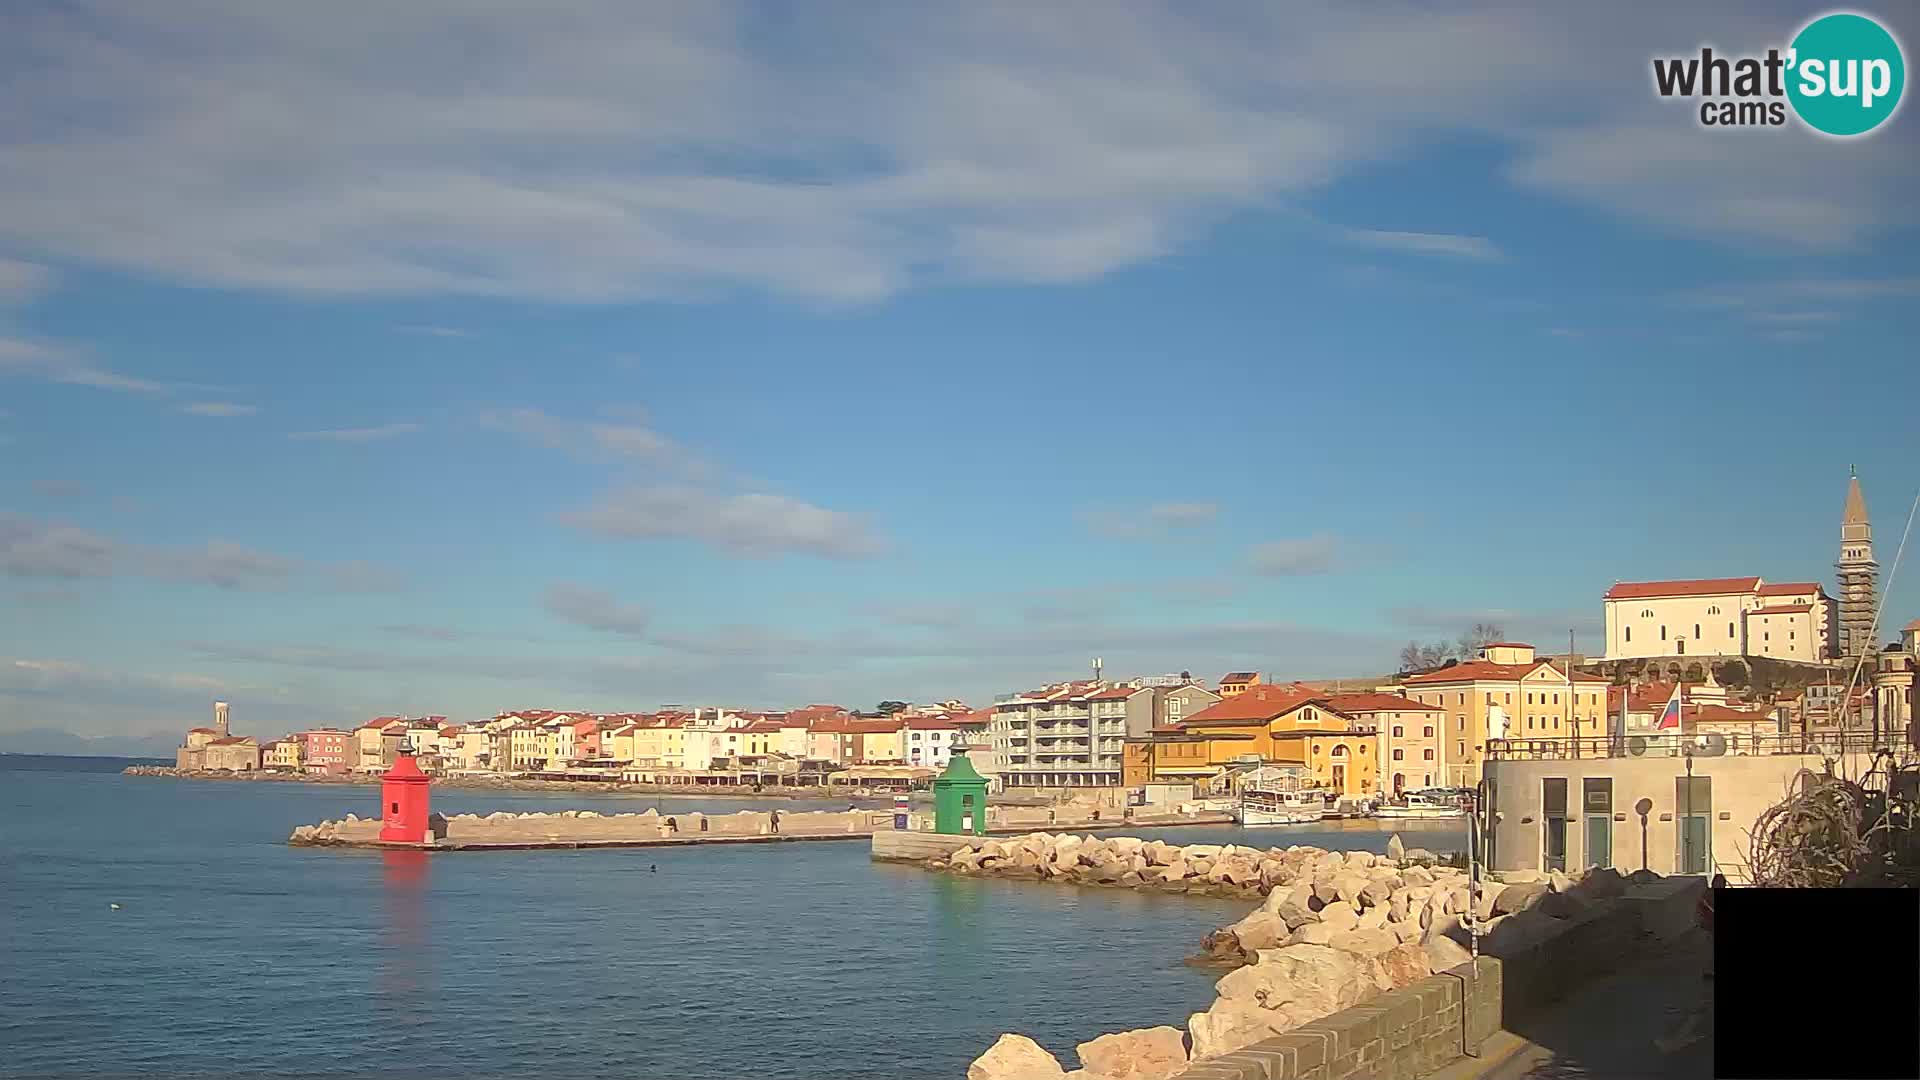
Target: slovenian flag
[1670, 718]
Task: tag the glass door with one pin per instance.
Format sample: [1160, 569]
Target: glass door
[1599, 840]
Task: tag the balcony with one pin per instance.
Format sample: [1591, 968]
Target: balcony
[1701, 744]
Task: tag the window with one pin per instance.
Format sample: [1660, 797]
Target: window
[916, 736]
[1646, 613]
[1715, 610]
[1729, 629]
[1428, 754]
[1556, 699]
[1629, 633]
[1398, 731]
[1399, 755]
[1696, 631]
[1529, 699]
[1428, 732]
[1463, 749]
[1462, 701]
[1663, 633]
[1429, 780]
[1339, 751]
[1509, 699]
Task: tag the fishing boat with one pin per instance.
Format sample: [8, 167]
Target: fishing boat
[1281, 807]
[1435, 803]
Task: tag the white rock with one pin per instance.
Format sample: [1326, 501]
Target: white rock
[1153, 1053]
[1015, 1057]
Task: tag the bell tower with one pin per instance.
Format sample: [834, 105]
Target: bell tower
[1859, 573]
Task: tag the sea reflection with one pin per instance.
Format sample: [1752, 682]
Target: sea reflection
[405, 931]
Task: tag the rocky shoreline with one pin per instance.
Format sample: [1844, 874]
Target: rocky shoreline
[1333, 929]
[592, 828]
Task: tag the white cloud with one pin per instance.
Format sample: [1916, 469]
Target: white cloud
[752, 525]
[23, 281]
[853, 154]
[1422, 243]
[1156, 520]
[625, 440]
[355, 435]
[595, 610]
[219, 408]
[60, 364]
[1298, 557]
[33, 548]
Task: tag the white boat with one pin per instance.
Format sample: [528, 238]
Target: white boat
[1281, 807]
[1422, 804]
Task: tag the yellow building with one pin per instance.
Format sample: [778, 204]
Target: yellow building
[660, 743]
[282, 754]
[1529, 698]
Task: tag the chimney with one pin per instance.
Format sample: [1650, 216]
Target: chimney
[220, 718]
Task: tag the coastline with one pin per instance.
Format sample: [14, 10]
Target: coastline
[507, 783]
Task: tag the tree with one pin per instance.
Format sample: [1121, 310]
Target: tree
[1479, 636]
[888, 708]
[1733, 673]
[1418, 657]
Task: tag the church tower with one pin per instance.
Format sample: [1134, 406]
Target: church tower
[1858, 573]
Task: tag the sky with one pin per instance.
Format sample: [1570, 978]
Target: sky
[451, 358]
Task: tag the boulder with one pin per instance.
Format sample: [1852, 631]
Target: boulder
[1230, 1025]
[1518, 897]
[1444, 953]
[1559, 882]
[1349, 887]
[1489, 896]
[1159, 853]
[1406, 931]
[1359, 860]
[1601, 883]
[1202, 851]
[1397, 906]
[1128, 846]
[1405, 964]
[1561, 905]
[1340, 915]
[1365, 942]
[1261, 931]
[1220, 947]
[1313, 933]
[1015, 1057]
[1153, 1053]
[1293, 914]
[1329, 860]
[1376, 893]
[1420, 857]
[1417, 875]
[1174, 871]
[1198, 866]
[1326, 892]
[1396, 849]
[1294, 985]
[1373, 918]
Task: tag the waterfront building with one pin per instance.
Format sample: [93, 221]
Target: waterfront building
[191, 753]
[660, 741]
[1235, 683]
[1894, 700]
[281, 754]
[523, 747]
[235, 753]
[763, 736]
[1074, 734]
[467, 748]
[1407, 738]
[376, 741]
[1555, 805]
[930, 740]
[1716, 617]
[1508, 686]
[1859, 575]
[324, 751]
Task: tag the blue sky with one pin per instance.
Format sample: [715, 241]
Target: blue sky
[358, 362]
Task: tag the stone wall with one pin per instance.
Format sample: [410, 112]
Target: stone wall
[1397, 1035]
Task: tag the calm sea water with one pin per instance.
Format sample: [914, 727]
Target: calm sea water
[233, 954]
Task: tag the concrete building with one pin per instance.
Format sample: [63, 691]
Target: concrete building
[1648, 804]
[1894, 700]
[1715, 617]
[282, 755]
[235, 753]
[191, 754]
[326, 751]
[1406, 737]
[1516, 693]
[1058, 736]
[1235, 683]
[930, 740]
[1859, 575]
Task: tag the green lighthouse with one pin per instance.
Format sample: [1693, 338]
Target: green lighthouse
[960, 799]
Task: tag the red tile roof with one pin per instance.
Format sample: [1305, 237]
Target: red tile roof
[872, 727]
[1259, 703]
[1914, 625]
[1789, 588]
[1782, 609]
[1647, 590]
[1721, 713]
[765, 726]
[232, 740]
[202, 731]
[1375, 702]
[1116, 693]
[932, 723]
[1489, 671]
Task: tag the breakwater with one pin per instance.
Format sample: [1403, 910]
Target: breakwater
[1333, 930]
[649, 828]
[511, 783]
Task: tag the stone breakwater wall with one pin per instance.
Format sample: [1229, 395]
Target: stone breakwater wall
[1334, 931]
[509, 783]
[1131, 863]
[589, 826]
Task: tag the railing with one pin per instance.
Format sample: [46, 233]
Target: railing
[1701, 744]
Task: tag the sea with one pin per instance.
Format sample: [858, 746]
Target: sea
[159, 927]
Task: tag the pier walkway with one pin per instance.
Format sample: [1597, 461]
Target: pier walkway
[1609, 1029]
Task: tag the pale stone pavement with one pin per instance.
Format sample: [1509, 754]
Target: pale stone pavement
[1607, 1031]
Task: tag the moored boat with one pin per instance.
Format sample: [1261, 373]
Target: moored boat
[1422, 804]
[1281, 807]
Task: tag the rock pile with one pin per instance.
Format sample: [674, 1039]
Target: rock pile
[1334, 929]
[1131, 863]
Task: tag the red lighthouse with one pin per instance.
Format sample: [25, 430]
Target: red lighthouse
[403, 801]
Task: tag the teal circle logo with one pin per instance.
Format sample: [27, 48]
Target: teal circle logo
[1845, 74]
